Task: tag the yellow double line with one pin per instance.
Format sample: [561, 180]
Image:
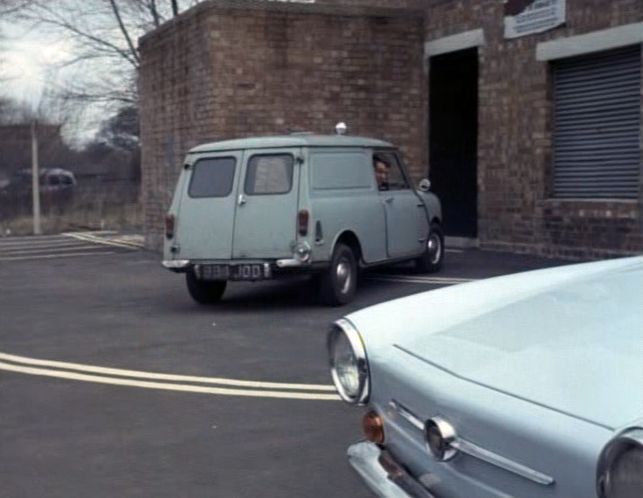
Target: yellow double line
[165, 382]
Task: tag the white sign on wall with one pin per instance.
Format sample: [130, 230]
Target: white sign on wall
[524, 17]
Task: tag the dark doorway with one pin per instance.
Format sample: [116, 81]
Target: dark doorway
[453, 141]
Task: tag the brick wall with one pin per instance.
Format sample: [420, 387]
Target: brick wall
[515, 137]
[176, 103]
[221, 72]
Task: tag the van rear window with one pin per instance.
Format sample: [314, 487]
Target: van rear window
[269, 174]
[212, 177]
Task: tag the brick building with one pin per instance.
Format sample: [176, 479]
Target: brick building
[525, 114]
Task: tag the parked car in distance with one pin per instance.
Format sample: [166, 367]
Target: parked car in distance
[260, 208]
[57, 180]
[52, 182]
[528, 385]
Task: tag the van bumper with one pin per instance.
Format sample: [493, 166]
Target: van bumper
[184, 264]
[177, 265]
[270, 268]
[292, 263]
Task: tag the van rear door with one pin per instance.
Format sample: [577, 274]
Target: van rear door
[267, 201]
[206, 216]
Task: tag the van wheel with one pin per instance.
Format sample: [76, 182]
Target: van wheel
[338, 284]
[433, 257]
[203, 291]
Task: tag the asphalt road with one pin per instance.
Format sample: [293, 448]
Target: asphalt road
[85, 330]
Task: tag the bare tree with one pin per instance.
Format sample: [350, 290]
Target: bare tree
[11, 6]
[104, 34]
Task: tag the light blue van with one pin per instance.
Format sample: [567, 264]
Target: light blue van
[259, 208]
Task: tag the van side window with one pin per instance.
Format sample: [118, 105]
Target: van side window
[395, 179]
[212, 177]
[269, 174]
[340, 170]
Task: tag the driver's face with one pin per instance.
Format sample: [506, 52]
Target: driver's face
[381, 173]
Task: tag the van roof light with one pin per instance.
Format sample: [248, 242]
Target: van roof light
[341, 128]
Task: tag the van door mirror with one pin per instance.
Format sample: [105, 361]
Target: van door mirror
[424, 185]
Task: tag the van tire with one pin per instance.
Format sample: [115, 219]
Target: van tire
[433, 257]
[204, 291]
[338, 284]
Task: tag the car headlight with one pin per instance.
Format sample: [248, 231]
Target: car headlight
[620, 467]
[348, 363]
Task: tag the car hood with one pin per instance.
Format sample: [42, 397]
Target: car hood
[569, 339]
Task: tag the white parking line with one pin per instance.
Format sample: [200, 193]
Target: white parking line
[35, 251]
[137, 241]
[55, 256]
[87, 237]
[60, 374]
[73, 244]
[26, 238]
[420, 280]
[23, 360]
[58, 241]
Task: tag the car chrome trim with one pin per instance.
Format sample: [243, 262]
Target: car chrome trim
[176, 264]
[355, 340]
[612, 450]
[443, 448]
[450, 444]
[303, 252]
[459, 444]
[499, 461]
[383, 475]
[407, 414]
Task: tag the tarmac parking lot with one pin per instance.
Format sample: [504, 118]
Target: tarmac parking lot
[113, 382]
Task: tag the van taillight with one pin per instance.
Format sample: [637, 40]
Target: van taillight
[302, 221]
[169, 225]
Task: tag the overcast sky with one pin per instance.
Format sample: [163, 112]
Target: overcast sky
[32, 60]
[35, 61]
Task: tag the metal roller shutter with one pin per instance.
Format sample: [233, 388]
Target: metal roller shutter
[597, 125]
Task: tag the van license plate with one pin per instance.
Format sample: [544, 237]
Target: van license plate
[232, 272]
[214, 272]
[246, 272]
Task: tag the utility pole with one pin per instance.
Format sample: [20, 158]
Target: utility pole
[35, 177]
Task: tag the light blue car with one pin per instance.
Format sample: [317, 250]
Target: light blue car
[528, 385]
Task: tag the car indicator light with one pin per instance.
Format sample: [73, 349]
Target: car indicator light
[373, 427]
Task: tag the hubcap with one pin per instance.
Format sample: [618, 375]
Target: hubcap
[344, 277]
[434, 247]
